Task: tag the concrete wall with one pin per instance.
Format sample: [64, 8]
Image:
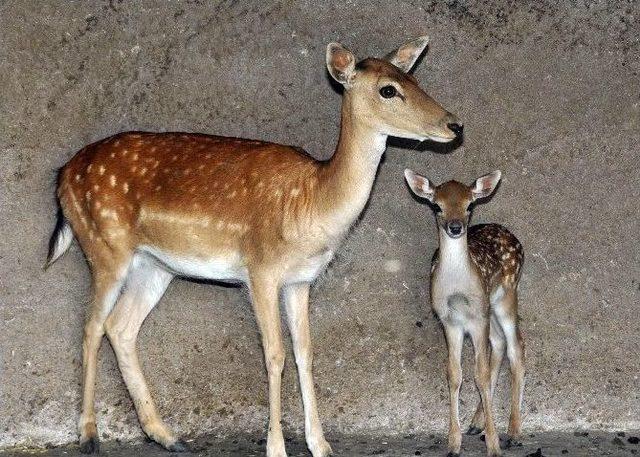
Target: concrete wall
[548, 93]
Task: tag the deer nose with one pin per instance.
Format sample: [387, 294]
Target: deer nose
[455, 228]
[456, 128]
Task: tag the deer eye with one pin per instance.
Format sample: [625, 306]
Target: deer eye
[388, 91]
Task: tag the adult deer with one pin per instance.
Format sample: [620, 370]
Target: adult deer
[148, 206]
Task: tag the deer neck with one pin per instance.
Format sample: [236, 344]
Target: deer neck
[454, 252]
[345, 181]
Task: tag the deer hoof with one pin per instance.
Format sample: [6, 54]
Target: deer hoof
[90, 445]
[178, 446]
[513, 442]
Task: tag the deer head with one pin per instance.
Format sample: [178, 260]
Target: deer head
[388, 99]
[452, 200]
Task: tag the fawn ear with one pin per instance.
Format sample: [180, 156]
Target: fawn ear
[406, 55]
[485, 185]
[341, 63]
[419, 185]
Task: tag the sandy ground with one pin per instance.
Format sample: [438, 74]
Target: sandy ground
[532, 445]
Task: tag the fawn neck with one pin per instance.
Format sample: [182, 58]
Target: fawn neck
[347, 178]
[454, 252]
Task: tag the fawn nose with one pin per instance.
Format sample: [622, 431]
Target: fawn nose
[455, 228]
[456, 128]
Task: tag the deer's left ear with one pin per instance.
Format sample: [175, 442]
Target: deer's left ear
[341, 63]
[485, 185]
[406, 55]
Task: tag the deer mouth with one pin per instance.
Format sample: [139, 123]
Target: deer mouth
[452, 131]
[441, 139]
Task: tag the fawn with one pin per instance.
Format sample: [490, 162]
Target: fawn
[474, 281]
[148, 206]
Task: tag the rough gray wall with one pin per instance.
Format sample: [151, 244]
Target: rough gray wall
[548, 93]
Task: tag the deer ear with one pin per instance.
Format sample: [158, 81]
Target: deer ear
[406, 55]
[485, 185]
[341, 63]
[419, 185]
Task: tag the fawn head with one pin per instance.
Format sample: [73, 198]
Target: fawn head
[452, 200]
[388, 98]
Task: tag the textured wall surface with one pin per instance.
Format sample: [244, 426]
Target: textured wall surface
[549, 94]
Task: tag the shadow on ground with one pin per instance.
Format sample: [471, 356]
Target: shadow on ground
[533, 445]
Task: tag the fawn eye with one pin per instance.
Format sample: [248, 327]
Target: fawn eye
[388, 92]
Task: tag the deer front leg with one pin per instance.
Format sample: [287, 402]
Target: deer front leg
[297, 304]
[496, 337]
[455, 338]
[264, 296]
[480, 338]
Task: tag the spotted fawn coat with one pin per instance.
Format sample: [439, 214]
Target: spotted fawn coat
[474, 278]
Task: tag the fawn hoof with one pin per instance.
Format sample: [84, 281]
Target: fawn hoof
[512, 442]
[321, 449]
[90, 445]
[453, 454]
[178, 446]
[494, 450]
[473, 430]
[275, 447]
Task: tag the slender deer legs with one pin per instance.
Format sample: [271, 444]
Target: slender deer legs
[515, 354]
[505, 333]
[455, 338]
[482, 375]
[296, 298]
[264, 296]
[144, 287]
[497, 340]
[106, 285]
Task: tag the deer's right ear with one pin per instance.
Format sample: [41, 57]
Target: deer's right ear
[485, 185]
[406, 55]
[341, 63]
[419, 185]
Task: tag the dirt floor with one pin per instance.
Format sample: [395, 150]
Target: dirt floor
[533, 445]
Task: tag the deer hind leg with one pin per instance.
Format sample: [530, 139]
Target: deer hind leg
[480, 337]
[264, 296]
[455, 339]
[107, 283]
[497, 340]
[145, 285]
[296, 298]
[508, 317]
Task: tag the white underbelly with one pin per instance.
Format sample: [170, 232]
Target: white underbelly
[221, 268]
[231, 267]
